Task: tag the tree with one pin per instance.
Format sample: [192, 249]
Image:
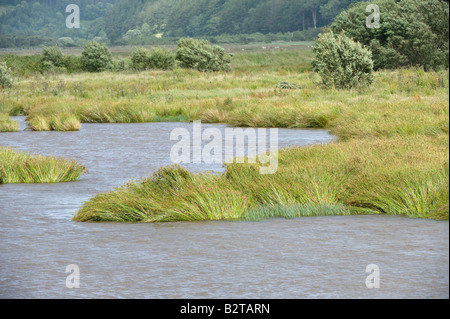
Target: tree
[314, 6]
[411, 33]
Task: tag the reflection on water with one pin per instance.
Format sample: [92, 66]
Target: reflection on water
[324, 257]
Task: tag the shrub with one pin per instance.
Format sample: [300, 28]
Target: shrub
[96, 57]
[201, 55]
[5, 76]
[140, 59]
[341, 62]
[73, 63]
[53, 55]
[158, 58]
[162, 59]
[120, 65]
[23, 65]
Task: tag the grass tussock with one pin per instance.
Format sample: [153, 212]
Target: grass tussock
[21, 167]
[62, 122]
[7, 124]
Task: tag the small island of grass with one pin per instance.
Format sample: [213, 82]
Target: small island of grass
[20, 167]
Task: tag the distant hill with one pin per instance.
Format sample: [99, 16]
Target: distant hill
[216, 17]
[120, 21]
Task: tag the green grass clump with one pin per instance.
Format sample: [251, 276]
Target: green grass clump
[7, 124]
[20, 167]
[61, 122]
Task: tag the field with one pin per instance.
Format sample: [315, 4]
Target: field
[391, 156]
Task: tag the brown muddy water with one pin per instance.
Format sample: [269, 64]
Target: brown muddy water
[323, 257]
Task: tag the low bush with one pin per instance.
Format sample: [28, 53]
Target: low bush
[96, 57]
[53, 55]
[158, 58]
[161, 59]
[341, 62]
[73, 64]
[140, 59]
[201, 55]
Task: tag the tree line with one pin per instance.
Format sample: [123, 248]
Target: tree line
[178, 18]
[113, 19]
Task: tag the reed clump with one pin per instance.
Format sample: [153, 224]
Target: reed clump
[7, 124]
[62, 122]
[21, 167]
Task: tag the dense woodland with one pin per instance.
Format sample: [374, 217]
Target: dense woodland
[31, 22]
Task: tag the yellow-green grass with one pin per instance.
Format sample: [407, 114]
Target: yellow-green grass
[7, 124]
[236, 98]
[58, 122]
[397, 176]
[21, 167]
[391, 156]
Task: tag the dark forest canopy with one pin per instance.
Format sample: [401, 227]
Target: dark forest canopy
[119, 19]
[216, 17]
[37, 22]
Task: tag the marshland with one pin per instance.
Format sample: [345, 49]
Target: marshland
[86, 178]
[366, 166]
[405, 111]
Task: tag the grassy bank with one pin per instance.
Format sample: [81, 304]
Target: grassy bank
[21, 167]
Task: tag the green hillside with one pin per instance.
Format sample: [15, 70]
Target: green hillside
[37, 22]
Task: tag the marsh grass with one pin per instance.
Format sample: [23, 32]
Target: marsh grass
[364, 176]
[60, 122]
[391, 155]
[21, 167]
[277, 61]
[7, 124]
[295, 211]
[253, 101]
[391, 158]
[418, 197]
